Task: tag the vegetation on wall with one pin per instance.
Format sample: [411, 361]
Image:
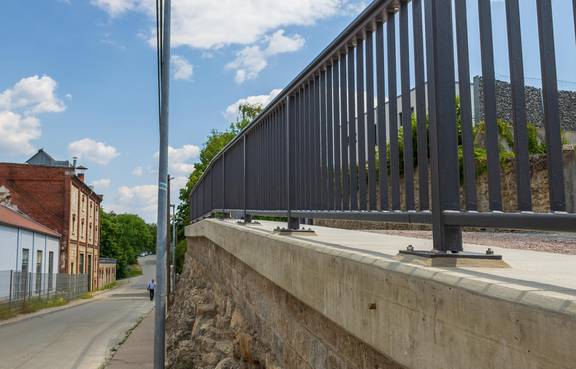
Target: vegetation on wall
[124, 237]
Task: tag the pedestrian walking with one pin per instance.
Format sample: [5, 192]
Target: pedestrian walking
[151, 287]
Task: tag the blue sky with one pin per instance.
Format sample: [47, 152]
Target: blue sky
[79, 76]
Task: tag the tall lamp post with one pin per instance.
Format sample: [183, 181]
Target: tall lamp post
[163, 8]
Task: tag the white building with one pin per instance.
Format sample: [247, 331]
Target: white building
[27, 246]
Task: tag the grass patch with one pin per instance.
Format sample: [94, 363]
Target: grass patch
[6, 313]
[109, 286]
[86, 296]
[36, 304]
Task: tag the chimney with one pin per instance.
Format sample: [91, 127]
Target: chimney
[81, 176]
[74, 160]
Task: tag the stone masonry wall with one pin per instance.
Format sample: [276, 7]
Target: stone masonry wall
[227, 316]
[539, 187]
[534, 107]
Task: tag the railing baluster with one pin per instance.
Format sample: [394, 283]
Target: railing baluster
[344, 135]
[490, 117]
[371, 127]
[316, 147]
[551, 108]
[361, 122]
[393, 112]
[330, 138]
[352, 139]
[323, 143]
[381, 116]
[337, 143]
[465, 106]
[421, 125]
[303, 144]
[406, 108]
[307, 149]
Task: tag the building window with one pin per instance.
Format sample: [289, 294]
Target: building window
[74, 224]
[50, 269]
[81, 264]
[25, 259]
[38, 271]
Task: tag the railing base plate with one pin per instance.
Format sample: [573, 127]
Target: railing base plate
[252, 222]
[299, 232]
[433, 258]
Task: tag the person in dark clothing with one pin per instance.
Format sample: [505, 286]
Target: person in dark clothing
[151, 287]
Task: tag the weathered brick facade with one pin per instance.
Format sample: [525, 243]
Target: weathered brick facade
[59, 199]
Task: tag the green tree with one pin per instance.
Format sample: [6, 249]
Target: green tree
[216, 141]
[124, 237]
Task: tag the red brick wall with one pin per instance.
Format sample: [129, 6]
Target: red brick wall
[39, 192]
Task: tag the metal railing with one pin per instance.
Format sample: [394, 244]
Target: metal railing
[328, 146]
[20, 289]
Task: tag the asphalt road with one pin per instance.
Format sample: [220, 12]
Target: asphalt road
[80, 337]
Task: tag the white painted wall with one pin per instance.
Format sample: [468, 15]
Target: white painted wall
[12, 242]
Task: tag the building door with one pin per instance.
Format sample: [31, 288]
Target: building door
[89, 272]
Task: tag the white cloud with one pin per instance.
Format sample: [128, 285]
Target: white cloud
[138, 171]
[91, 150]
[211, 25]
[101, 184]
[116, 7]
[19, 107]
[251, 60]
[180, 159]
[32, 95]
[143, 199]
[231, 112]
[208, 24]
[182, 68]
[17, 132]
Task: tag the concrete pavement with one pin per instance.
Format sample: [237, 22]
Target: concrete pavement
[81, 336]
[138, 350]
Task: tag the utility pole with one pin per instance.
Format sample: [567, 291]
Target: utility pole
[161, 237]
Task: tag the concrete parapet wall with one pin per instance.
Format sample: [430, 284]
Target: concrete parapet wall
[419, 318]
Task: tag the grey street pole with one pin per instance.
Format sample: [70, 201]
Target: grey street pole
[162, 230]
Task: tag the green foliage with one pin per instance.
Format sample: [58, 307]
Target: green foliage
[216, 141]
[124, 237]
[181, 247]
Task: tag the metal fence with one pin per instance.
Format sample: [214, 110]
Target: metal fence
[19, 289]
[328, 146]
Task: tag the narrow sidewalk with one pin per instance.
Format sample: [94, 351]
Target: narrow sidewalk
[137, 352]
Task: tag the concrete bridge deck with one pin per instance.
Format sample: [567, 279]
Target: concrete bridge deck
[419, 317]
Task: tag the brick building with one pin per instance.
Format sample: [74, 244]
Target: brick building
[54, 194]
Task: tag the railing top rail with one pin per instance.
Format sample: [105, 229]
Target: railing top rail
[374, 12]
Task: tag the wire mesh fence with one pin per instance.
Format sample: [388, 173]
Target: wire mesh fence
[21, 291]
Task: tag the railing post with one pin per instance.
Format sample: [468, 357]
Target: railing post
[293, 223]
[443, 132]
[247, 217]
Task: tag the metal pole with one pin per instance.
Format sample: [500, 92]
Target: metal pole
[173, 250]
[10, 294]
[161, 236]
[169, 255]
